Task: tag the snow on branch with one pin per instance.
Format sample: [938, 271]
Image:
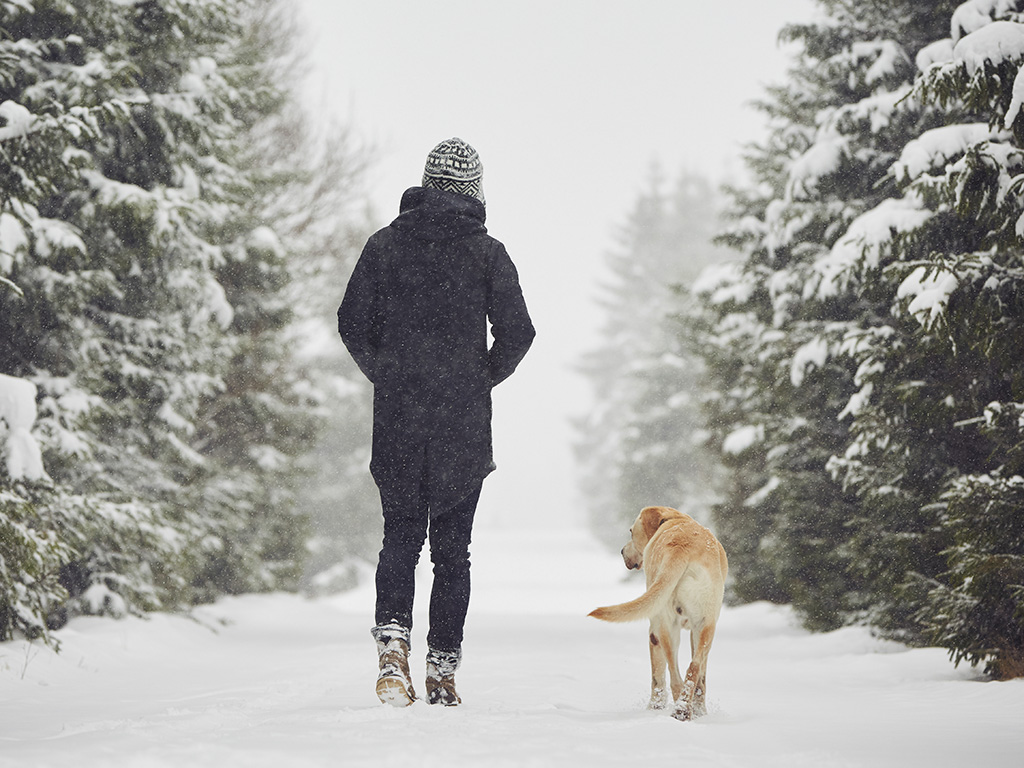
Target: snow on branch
[759, 496]
[973, 59]
[814, 354]
[864, 240]
[935, 148]
[742, 438]
[994, 43]
[12, 241]
[973, 15]
[878, 109]
[885, 56]
[938, 52]
[18, 121]
[929, 289]
[823, 159]
[724, 283]
[18, 412]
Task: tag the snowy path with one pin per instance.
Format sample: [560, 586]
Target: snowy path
[281, 681]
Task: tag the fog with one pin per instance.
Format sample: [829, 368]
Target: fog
[571, 105]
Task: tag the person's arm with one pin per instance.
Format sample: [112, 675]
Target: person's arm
[511, 326]
[358, 312]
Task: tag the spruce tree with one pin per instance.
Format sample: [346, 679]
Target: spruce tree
[776, 330]
[146, 294]
[941, 421]
[882, 280]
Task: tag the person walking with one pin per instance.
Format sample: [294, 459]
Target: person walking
[415, 319]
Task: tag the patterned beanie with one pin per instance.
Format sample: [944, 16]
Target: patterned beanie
[454, 166]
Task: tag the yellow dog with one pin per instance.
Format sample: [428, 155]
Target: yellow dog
[685, 566]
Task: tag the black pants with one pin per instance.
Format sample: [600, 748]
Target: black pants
[408, 517]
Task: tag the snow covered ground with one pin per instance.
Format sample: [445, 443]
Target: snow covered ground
[279, 680]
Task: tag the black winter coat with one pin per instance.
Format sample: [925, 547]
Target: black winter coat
[414, 318]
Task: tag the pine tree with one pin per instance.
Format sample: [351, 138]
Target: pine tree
[945, 382]
[783, 322]
[147, 296]
[88, 270]
[882, 279]
[299, 238]
[320, 213]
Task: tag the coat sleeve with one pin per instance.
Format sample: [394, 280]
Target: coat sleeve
[357, 315]
[511, 326]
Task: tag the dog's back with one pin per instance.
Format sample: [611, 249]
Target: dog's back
[686, 568]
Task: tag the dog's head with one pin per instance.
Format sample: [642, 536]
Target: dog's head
[644, 527]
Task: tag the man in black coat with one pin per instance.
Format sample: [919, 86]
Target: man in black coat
[415, 319]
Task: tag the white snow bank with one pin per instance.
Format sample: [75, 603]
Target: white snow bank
[18, 412]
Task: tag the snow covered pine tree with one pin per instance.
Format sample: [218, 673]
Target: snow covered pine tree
[884, 277]
[142, 295]
[961, 303]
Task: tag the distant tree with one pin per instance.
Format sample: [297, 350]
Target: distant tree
[641, 445]
[319, 208]
[297, 234]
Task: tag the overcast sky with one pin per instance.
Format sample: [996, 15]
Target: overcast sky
[570, 104]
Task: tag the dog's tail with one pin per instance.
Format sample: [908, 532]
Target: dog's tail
[649, 604]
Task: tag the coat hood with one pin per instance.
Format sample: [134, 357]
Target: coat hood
[437, 215]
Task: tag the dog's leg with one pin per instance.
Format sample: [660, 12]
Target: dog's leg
[691, 701]
[657, 649]
[700, 692]
[700, 707]
[672, 654]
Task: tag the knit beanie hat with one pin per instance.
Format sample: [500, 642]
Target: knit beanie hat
[455, 166]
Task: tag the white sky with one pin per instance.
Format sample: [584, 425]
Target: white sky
[570, 104]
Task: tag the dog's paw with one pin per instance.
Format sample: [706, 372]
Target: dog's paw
[658, 699]
[682, 711]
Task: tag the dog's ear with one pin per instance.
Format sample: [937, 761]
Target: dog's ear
[651, 519]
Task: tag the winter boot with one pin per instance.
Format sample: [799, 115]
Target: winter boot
[394, 683]
[441, 666]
